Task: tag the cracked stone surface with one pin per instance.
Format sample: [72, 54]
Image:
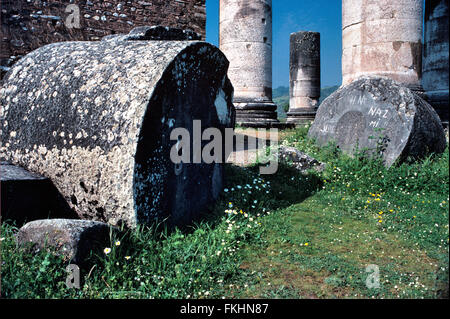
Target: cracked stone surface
[96, 118]
[372, 112]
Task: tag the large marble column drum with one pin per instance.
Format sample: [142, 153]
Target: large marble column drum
[304, 77]
[383, 38]
[435, 79]
[246, 40]
[97, 118]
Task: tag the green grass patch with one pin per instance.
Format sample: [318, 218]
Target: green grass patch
[280, 236]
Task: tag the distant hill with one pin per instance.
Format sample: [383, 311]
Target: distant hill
[280, 92]
[281, 98]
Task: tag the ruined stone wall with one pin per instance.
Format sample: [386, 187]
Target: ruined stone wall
[29, 24]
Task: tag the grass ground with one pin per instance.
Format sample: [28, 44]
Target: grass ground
[277, 236]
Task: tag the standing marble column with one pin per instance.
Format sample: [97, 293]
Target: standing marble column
[246, 40]
[304, 77]
[383, 38]
[435, 79]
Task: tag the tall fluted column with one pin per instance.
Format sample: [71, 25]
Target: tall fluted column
[304, 77]
[383, 38]
[246, 40]
[435, 79]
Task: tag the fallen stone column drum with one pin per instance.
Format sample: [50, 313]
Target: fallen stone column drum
[304, 76]
[435, 80]
[96, 118]
[246, 40]
[379, 115]
[382, 38]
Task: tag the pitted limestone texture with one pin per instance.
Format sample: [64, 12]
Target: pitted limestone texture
[96, 119]
[379, 115]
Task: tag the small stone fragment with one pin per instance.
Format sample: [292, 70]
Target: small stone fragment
[73, 239]
[155, 33]
[301, 161]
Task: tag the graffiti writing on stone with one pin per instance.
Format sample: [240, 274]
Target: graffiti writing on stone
[377, 116]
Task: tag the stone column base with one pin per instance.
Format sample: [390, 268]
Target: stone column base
[301, 116]
[258, 114]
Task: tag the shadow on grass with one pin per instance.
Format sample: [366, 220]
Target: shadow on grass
[245, 189]
[253, 193]
[285, 188]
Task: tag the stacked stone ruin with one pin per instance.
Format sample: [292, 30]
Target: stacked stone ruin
[382, 38]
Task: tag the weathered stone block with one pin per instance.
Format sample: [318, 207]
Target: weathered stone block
[26, 197]
[72, 239]
[96, 118]
[370, 111]
[157, 33]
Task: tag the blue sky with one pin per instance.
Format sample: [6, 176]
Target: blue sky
[289, 16]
